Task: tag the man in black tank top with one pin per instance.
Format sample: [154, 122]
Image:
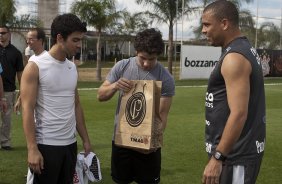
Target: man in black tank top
[235, 101]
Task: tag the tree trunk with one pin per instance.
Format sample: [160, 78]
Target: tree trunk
[98, 67]
[170, 47]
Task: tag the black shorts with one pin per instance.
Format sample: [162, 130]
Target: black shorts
[240, 174]
[59, 164]
[129, 165]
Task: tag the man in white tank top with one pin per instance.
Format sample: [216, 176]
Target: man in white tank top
[52, 112]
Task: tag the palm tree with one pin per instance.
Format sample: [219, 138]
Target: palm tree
[99, 14]
[128, 25]
[132, 23]
[7, 11]
[166, 11]
[268, 36]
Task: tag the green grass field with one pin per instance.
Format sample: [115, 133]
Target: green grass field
[183, 154]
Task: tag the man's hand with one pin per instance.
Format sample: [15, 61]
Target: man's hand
[212, 172]
[87, 148]
[35, 160]
[124, 85]
[17, 106]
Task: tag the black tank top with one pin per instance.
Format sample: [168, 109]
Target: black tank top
[252, 140]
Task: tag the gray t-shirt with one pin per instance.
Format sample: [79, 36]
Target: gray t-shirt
[128, 68]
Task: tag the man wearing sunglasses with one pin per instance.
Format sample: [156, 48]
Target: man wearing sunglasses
[12, 64]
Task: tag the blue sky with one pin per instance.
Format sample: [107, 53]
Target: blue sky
[266, 8]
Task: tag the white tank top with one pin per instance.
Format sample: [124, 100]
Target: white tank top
[55, 105]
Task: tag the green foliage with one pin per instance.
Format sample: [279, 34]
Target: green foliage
[183, 154]
[98, 14]
[7, 11]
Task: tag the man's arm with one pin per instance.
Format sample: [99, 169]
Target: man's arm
[165, 103]
[28, 88]
[236, 71]
[80, 124]
[17, 105]
[3, 100]
[107, 89]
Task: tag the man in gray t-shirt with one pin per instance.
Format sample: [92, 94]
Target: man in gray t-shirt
[129, 165]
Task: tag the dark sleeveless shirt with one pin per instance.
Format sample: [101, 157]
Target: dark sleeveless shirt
[250, 145]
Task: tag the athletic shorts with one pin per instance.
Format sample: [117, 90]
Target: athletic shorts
[59, 164]
[240, 174]
[129, 165]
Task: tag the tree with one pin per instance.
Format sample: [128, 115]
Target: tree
[7, 11]
[25, 21]
[99, 14]
[132, 23]
[127, 27]
[268, 36]
[166, 11]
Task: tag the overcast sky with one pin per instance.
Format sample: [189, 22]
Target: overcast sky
[272, 9]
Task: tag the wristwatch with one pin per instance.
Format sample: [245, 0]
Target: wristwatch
[219, 156]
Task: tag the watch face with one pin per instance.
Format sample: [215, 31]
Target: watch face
[217, 155]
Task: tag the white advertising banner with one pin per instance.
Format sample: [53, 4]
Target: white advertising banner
[197, 62]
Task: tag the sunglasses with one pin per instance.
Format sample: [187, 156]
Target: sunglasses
[3, 33]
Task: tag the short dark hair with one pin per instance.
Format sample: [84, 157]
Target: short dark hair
[224, 9]
[150, 41]
[65, 25]
[40, 33]
[4, 26]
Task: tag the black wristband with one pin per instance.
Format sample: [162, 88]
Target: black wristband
[219, 156]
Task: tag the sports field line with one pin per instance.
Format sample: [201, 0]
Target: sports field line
[196, 86]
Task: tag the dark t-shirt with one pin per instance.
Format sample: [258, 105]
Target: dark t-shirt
[12, 62]
[252, 139]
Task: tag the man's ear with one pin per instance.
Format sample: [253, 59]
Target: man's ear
[59, 38]
[224, 24]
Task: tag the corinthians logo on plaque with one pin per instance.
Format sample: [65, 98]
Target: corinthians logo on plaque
[135, 109]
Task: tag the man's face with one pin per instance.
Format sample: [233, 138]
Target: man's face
[146, 61]
[72, 44]
[32, 41]
[212, 29]
[4, 36]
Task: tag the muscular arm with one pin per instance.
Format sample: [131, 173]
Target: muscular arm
[236, 71]
[29, 88]
[80, 124]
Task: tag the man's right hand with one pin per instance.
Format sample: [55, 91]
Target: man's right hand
[35, 160]
[124, 85]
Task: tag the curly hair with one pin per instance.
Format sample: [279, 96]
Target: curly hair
[150, 41]
[65, 25]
